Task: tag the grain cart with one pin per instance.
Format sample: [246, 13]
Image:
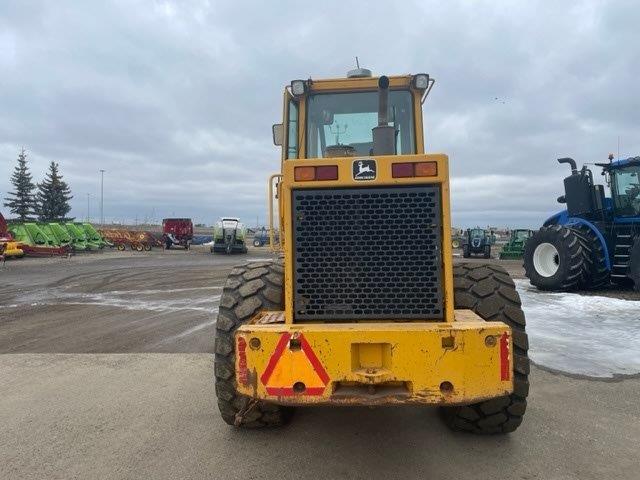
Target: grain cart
[229, 236]
[177, 231]
[595, 241]
[366, 307]
[514, 248]
[476, 241]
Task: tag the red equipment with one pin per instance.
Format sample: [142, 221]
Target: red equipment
[177, 231]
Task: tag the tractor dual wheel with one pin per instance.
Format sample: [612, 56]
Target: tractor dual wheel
[249, 289]
[596, 272]
[489, 291]
[554, 259]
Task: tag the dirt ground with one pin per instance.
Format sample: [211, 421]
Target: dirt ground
[110, 376]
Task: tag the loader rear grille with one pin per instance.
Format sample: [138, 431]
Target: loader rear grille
[367, 253]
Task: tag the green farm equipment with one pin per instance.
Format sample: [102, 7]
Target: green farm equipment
[57, 233]
[80, 238]
[514, 248]
[229, 236]
[93, 235]
[35, 242]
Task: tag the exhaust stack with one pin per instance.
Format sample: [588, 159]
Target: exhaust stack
[384, 135]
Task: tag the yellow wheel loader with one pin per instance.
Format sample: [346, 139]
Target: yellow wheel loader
[364, 306]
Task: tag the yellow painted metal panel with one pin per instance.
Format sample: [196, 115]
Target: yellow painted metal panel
[375, 363]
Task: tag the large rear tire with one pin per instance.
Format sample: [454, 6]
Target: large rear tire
[488, 291]
[466, 252]
[487, 251]
[597, 275]
[249, 289]
[554, 259]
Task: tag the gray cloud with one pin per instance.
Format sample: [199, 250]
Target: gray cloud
[175, 99]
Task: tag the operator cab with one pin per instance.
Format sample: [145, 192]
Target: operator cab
[382, 116]
[625, 187]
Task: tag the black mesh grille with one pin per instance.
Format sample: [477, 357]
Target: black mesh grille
[367, 253]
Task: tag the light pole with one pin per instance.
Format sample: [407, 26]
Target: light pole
[88, 212]
[102, 197]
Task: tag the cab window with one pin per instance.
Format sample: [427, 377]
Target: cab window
[292, 130]
[626, 191]
[343, 123]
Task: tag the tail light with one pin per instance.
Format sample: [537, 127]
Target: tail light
[414, 169]
[307, 174]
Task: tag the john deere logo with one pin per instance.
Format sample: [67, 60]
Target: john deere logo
[364, 170]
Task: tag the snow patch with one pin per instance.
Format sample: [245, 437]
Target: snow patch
[593, 336]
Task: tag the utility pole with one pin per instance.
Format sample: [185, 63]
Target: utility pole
[88, 214]
[102, 197]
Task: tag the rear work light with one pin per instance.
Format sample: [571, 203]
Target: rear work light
[307, 174]
[419, 169]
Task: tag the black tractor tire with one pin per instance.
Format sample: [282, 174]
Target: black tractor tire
[489, 291]
[569, 259]
[487, 251]
[466, 253]
[249, 289]
[597, 276]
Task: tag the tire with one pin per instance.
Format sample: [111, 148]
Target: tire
[139, 247]
[465, 251]
[147, 247]
[256, 243]
[249, 289]
[597, 275]
[554, 260]
[120, 247]
[455, 244]
[487, 251]
[488, 291]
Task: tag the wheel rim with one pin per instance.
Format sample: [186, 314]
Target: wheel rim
[546, 259]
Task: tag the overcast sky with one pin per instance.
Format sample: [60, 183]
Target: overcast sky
[175, 99]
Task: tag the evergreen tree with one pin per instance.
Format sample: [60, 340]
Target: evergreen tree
[53, 196]
[21, 202]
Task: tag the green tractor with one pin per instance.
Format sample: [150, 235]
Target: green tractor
[514, 248]
[476, 241]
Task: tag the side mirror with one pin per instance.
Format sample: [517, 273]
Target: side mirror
[562, 199]
[278, 134]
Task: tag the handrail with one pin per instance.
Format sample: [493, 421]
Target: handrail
[271, 231]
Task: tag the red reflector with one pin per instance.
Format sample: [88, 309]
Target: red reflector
[327, 172]
[304, 174]
[426, 169]
[401, 170]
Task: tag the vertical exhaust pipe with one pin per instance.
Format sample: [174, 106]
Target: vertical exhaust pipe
[384, 136]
